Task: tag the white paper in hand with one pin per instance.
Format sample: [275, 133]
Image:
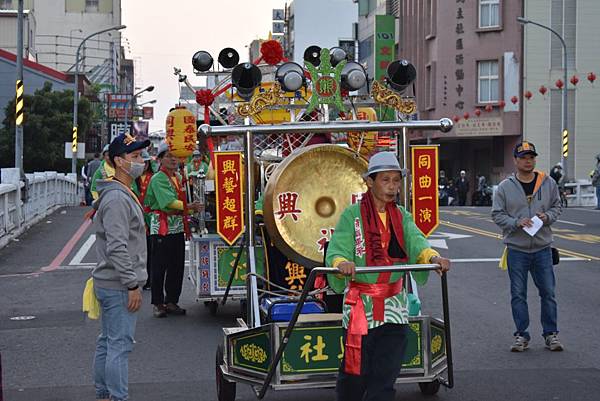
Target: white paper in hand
[537, 224]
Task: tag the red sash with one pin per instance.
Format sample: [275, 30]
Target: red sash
[163, 228]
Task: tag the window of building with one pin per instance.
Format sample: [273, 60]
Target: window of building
[6, 5]
[488, 82]
[91, 5]
[564, 21]
[430, 18]
[489, 13]
[430, 85]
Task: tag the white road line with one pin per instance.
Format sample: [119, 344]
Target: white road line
[83, 251]
[571, 222]
[480, 260]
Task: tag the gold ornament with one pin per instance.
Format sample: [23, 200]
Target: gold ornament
[387, 97]
[260, 101]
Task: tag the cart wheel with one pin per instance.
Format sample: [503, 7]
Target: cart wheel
[430, 388]
[212, 307]
[225, 389]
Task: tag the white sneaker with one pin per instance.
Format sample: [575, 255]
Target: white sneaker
[552, 342]
[520, 344]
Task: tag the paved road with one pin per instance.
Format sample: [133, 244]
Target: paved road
[49, 358]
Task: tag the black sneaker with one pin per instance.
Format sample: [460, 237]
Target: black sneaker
[159, 311]
[174, 309]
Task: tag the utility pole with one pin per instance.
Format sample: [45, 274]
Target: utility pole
[19, 93]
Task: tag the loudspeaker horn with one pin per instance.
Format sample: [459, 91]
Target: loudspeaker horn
[312, 55]
[202, 61]
[245, 78]
[228, 57]
[400, 74]
[354, 76]
[337, 55]
[290, 76]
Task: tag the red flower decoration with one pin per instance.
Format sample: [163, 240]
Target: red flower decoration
[271, 52]
[204, 97]
[543, 90]
[456, 119]
[501, 104]
[559, 83]
[489, 108]
[466, 115]
[574, 80]
[514, 100]
[477, 112]
[528, 95]
[591, 77]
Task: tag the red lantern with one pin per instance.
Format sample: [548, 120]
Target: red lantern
[528, 95]
[477, 112]
[591, 77]
[574, 80]
[501, 104]
[543, 90]
[489, 108]
[466, 115]
[514, 100]
[559, 83]
[456, 119]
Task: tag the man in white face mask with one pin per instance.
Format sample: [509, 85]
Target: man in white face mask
[121, 268]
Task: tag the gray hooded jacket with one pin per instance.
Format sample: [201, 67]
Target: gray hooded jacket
[120, 238]
[510, 205]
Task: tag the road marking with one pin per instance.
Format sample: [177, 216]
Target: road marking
[62, 255]
[85, 248]
[438, 243]
[570, 222]
[497, 236]
[478, 260]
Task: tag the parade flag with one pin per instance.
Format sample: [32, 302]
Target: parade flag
[229, 197]
[425, 188]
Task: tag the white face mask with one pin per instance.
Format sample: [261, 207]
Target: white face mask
[135, 169]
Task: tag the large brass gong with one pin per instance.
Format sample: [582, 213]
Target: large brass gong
[305, 197]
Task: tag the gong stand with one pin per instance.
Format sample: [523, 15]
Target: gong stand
[248, 130]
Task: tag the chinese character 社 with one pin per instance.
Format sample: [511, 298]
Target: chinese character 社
[308, 348]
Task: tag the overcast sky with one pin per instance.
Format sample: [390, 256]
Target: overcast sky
[163, 35]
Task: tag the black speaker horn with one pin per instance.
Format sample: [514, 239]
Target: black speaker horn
[228, 57]
[400, 74]
[354, 76]
[202, 61]
[245, 78]
[290, 76]
[312, 55]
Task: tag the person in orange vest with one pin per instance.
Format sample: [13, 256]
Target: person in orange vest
[168, 226]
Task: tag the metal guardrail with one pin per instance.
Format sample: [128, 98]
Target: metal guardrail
[45, 193]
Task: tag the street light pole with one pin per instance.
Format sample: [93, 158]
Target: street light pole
[563, 160]
[76, 92]
[147, 89]
[19, 93]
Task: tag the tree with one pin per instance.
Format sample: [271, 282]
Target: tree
[47, 126]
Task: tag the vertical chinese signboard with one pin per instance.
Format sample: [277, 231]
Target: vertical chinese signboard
[384, 44]
[425, 188]
[229, 198]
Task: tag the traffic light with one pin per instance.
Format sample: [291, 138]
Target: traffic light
[565, 143]
[74, 145]
[19, 103]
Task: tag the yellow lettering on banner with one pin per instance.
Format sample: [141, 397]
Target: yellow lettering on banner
[229, 185]
[228, 167]
[308, 348]
[341, 354]
[425, 197]
[425, 215]
[425, 181]
[230, 204]
[424, 161]
[295, 272]
[230, 223]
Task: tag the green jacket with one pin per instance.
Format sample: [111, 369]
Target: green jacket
[162, 193]
[343, 246]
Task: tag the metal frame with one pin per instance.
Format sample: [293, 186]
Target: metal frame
[428, 373]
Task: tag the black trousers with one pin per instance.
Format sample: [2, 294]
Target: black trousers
[462, 199]
[382, 352]
[168, 261]
[149, 260]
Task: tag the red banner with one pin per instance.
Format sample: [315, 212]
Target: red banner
[229, 196]
[425, 188]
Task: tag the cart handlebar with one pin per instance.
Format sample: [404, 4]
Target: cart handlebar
[359, 270]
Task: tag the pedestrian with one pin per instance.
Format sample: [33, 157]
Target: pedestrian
[462, 187]
[520, 200]
[88, 172]
[142, 183]
[166, 200]
[376, 232]
[106, 170]
[557, 173]
[121, 267]
[595, 176]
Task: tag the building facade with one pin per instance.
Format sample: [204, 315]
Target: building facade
[8, 32]
[577, 22]
[468, 56]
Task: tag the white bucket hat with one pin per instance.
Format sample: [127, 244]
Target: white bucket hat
[383, 161]
[162, 148]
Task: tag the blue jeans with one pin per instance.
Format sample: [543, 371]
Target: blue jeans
[114, 344]
[539, 264]
[598, 197]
